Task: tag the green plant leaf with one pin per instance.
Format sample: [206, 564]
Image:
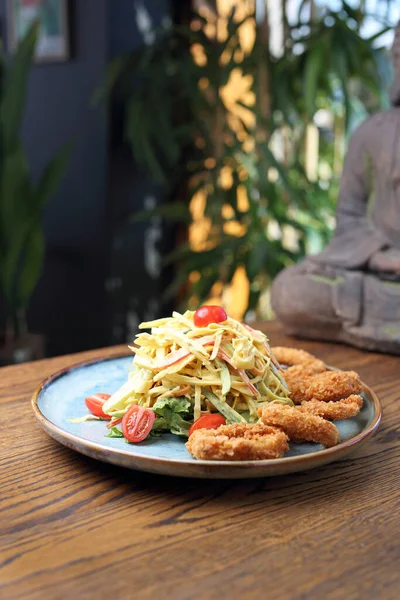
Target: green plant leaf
[13, 100]
[32, 265]
[11, 263]
[341, 64]
[141, 144]
[203, 285]
[15, 193]
[182, 252]
[173, 126]
[257, 257]
[312, 71]
[353, 13]
[177, 284]
[52, 176]
[20, 214]
[113, 73]
[377, 35]
[2, 68]
[177, 212]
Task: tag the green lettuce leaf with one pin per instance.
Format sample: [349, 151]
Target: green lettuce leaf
[115, 433]
[174, 415]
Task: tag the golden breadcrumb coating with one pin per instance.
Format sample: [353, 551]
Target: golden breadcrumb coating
[297, 376]
[332, 385]
[293, 356]
[300, 426]
[239, 441]
[335, 411]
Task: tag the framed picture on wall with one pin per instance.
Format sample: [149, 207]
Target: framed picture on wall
[52, 15]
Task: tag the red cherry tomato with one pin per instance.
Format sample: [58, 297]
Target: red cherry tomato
[137, 423]
[209, 314]
[95, 404]
[208, 422]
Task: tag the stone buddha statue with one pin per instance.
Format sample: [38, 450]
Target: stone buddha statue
[351, 291]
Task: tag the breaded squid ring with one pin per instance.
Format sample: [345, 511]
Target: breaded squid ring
[239, 441]
[332, 385]
[300, 426]
[335, 411]
[297, 375]
[293, 356]
[305, 371]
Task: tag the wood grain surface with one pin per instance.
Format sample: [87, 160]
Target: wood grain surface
[72, 527]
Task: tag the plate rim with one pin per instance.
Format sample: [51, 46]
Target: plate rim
[335, 452]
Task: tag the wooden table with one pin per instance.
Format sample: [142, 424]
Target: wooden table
[75, 528]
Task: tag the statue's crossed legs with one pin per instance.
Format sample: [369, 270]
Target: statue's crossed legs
[355, 307]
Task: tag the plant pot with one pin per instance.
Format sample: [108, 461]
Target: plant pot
[27, 347]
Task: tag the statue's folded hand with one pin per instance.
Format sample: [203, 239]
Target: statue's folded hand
[385, 261]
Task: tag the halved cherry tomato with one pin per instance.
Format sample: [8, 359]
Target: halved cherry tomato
[209, 314]
[207, 422]
[95, 404]
[137, 423]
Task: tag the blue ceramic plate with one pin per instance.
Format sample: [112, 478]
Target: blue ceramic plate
[61, 397]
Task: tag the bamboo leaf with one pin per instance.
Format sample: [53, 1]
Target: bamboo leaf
[175, 212]
[182, 252]
[312, 72]
[340, 62]
[176, 285]
[114, 71]
[201, 289]
[257, 257]
[377, 35]
[136, 132]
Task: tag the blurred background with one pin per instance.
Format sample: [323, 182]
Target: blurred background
[158, 154]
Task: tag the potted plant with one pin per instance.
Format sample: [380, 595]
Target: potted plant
[21, 204]
[225, 128]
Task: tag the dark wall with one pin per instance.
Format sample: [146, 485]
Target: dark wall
[95, 269]
[69, 301]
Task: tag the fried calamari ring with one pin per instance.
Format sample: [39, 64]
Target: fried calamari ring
[300, 365]
[336, 411]
[332, 385]
[297, 376]
[305, 371]
[300, 426]
[239, 441]
[293, 356]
